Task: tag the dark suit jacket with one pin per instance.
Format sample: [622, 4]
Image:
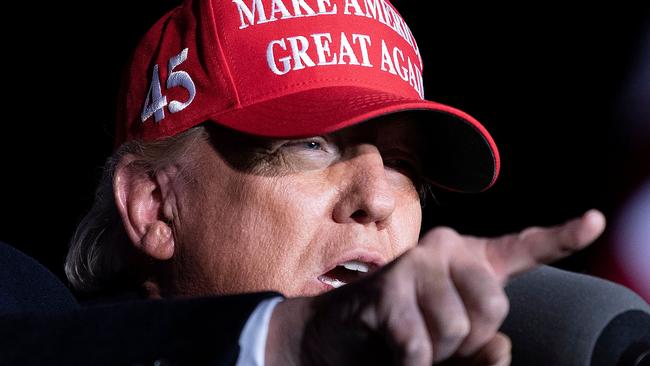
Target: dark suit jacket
[41, 324]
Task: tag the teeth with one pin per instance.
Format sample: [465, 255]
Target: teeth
[331, 281]
[355, 266]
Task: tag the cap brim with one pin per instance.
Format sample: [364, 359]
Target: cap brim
[461, 155]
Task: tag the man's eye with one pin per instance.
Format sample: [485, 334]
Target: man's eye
[311, 144]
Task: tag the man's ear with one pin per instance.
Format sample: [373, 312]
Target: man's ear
[141, 206]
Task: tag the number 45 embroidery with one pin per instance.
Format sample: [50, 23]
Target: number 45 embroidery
[155, 102]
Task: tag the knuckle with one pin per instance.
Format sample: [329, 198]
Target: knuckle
[442, 235]
[444, 232]
[418, 351]
[417, 252]
[528, 232]
[421, 257]
[494, 307]
[454, 329]
[410, 338]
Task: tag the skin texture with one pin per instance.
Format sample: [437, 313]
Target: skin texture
[442, 301]
[259, 214]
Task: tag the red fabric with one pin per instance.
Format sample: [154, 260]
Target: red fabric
[229, 63]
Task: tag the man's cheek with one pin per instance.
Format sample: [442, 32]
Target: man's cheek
[406, 230]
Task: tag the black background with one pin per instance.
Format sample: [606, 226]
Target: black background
[546, 80]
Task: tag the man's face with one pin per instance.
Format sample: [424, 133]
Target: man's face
[295, 216]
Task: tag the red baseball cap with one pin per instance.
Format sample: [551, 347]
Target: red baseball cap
[291, 69]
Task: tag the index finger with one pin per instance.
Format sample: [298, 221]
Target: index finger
[516, 253]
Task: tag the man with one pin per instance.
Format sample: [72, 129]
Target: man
[286, 146]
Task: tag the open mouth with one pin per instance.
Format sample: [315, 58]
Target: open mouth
[345, 273]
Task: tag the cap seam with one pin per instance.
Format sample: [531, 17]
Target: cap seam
[226, 63]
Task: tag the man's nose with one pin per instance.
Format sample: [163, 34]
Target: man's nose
[367, 195]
